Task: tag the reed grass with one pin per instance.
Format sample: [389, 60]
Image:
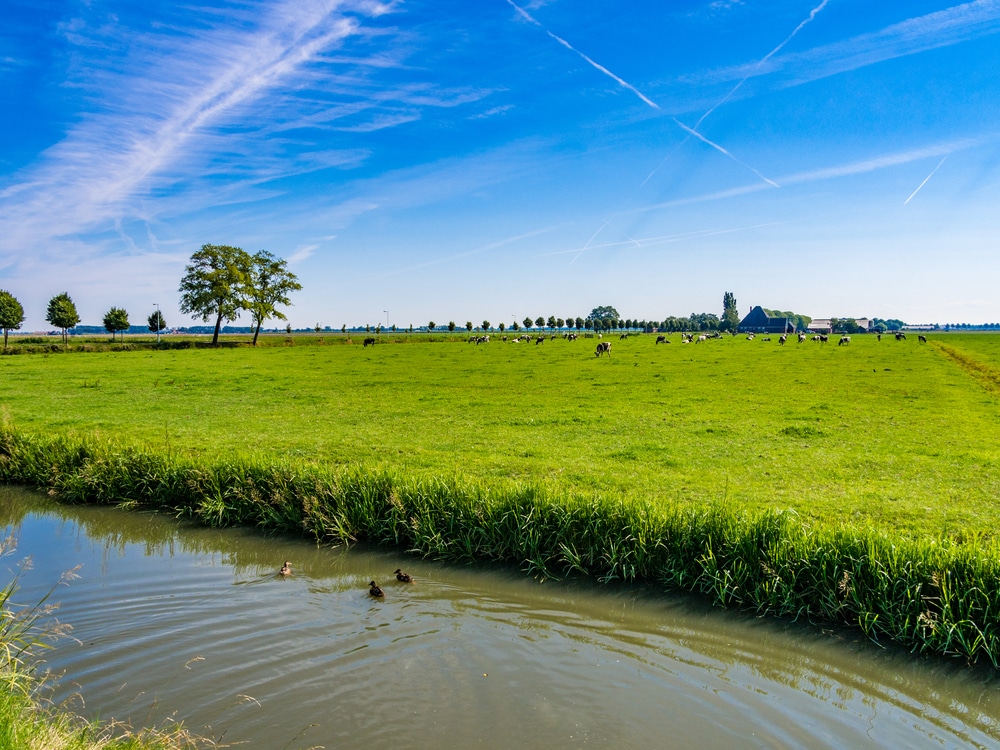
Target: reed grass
[932, 595]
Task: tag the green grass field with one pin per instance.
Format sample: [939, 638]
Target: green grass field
[899, 435]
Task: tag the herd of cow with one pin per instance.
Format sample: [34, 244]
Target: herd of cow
[604, 347]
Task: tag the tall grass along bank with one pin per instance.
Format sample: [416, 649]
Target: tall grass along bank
[933, 596]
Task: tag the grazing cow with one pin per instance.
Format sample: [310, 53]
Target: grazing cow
[783, 339]
[662, 340]
[844, 340]
[604, 348]
[766, 338]
[880, 337]
[922, 339]
[370, 341]
[802, 337]
[701, 338]
[539, 340]
[750, 337]
[900, 336]
[623, 337]
[482, 340]
[823, 338]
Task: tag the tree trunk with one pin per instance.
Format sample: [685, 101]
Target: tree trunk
[218, 325]
[256, 332]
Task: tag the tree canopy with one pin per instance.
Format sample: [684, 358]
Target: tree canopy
[605, 311]
[61, 313]
[11, 314]
[215, 284]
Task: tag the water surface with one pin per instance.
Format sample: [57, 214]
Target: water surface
[179, 622]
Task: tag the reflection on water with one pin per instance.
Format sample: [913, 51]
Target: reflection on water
[196, 624]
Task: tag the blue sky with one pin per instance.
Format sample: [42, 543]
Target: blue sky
[452, 160]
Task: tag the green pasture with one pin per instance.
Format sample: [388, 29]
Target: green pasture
[899, 435]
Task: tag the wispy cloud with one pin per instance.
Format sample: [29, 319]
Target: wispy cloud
[193, 123]
[942, 28]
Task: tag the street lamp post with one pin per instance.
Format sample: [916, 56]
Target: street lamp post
[158, 319]
[386, 319]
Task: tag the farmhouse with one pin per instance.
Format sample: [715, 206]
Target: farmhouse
[758, 321]
[825, 325]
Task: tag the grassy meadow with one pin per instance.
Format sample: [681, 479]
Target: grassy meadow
[848, 484]
[902, 435]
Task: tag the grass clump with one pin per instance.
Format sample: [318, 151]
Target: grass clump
[28, 721]
[933, 596]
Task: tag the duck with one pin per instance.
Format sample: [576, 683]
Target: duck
[286, 569]
[375, 590]
[403, 577]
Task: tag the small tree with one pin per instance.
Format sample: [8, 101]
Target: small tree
[551, 322]
[215, 285]
[11, 314]
[343, 328]
[288, 328]
[730, 316]
[486, 325]
[515, 327]
[155, 322]
[61, 313]
[451, 326]
[528, 322]
[431, 326]
[502, 327]
[540, 322]
[468, 326]
[579, 323]
[560, 322]
[115, 320]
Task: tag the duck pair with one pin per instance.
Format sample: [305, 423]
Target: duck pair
[376, 590]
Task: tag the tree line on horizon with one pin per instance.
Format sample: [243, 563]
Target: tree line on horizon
[221, 281]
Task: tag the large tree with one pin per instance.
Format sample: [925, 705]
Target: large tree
[11, 314]
[61, 313]
[215, 284]
[270, 284]
[115, 320]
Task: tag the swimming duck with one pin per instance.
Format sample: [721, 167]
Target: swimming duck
[286, 569]
[375, 590]
[403, 577]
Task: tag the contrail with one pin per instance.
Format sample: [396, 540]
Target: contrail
[768, 56]
[597, 65]
[589, 241]
[925, 181]
[721, 150]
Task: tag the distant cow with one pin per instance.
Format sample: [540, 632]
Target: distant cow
[539, 340]
[844, 340]
[623, 337]
[802, 337]
[370, 341]
[922, 339]
[783, 339]
[603, 348]
[662, 340]
[900, 336]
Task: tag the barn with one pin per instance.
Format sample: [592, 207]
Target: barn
[758, 321]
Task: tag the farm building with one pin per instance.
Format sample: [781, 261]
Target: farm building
[758, 321]
[825, 325]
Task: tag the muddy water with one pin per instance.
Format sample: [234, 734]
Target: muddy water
[175, 622]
